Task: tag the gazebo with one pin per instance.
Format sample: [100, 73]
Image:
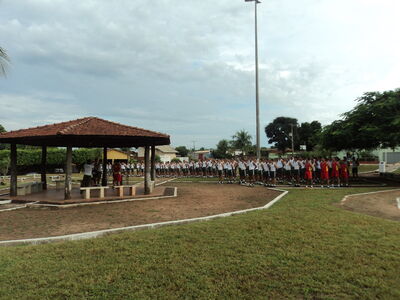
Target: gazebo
[89, 132]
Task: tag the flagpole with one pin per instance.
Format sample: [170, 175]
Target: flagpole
[257, 85]
[257, 93]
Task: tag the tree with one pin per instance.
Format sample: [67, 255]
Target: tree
[309, 134]
[222, 149]
[278, 132]
[241, 141]
[374, 122]
[4, 61]
[2, 129]
[182, 151]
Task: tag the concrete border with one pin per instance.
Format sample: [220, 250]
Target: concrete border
[345, 198]
[398, 202]
[95, 234]
[18, 207]
[33, 205]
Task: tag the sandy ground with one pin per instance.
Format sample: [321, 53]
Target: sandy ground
[383, 205]
[194, 200]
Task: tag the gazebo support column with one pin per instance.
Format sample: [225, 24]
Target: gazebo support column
[104, 181]
[13, 170]
[68, 174]
[147, 177]
[153, 162]
[43, 167]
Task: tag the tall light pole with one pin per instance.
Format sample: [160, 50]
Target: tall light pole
[256, 66]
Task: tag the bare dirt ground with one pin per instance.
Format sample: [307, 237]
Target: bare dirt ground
[194, 200]
[383, 205]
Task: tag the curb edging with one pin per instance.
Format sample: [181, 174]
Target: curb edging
[95, 234]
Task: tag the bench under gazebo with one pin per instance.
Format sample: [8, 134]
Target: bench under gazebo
[89, 132]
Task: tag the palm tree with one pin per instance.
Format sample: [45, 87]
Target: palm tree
[4, 61]
[242, 141]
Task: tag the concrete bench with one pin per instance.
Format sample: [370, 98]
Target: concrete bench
[29, 188]
[91, 188]
[131, 188]
[60, 184]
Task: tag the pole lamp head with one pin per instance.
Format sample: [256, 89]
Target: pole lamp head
[257, 1]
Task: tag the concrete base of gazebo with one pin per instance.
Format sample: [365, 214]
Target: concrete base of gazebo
[53, 196]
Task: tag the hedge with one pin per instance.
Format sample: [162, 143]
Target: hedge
[55, 156]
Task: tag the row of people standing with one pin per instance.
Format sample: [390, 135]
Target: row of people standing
[294, 170]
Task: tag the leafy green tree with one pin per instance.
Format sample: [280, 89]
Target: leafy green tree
[309, 134]
[182, 151]
[223, 147]
[4, 61]
[241, 140]
[279, 131]
[374, 122]
[2, 129]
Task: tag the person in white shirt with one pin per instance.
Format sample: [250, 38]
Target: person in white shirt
[251, 166]
[242, 172]
[265, 172]
[272, 172]
[87, 174]
[296, 171]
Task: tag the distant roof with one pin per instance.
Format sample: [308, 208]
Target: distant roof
[166, 149]
[202, 151]
[86, 132]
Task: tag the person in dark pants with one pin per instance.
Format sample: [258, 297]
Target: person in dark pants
[354, 167]
[87, 174]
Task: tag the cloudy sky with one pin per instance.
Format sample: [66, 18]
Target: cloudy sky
[186, 68]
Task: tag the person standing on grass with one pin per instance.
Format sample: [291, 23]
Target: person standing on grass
[344, 172]
[296, 171]
[309, 173]
[87, 174]
[251, 167]
[272, 172]
[354, 167]
[335, 171]
[324, 173]
[242, 172]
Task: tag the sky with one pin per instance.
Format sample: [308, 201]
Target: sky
[186, 68]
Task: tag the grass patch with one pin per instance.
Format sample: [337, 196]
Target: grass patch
[367, 168]
[397, 171]
[303, 247]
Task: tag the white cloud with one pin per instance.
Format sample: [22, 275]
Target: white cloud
[187, 68]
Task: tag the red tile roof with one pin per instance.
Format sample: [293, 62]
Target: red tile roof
[85, 126]
[89, 131]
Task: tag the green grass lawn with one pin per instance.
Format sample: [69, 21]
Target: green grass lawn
[367, 168]
[303, 247]
[397, 171]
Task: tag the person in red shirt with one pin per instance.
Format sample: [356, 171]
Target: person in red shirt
[324, 172]
[117, 176]
[344, 172]
[335, 171]
[308, 173]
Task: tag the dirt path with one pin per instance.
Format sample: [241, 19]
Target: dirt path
[194, 200]
[383, 205]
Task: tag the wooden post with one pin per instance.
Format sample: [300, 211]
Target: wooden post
[147, 178]
[13, 170]
[104, 181]
[68, 174]
[153, 162]
[43, 169]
